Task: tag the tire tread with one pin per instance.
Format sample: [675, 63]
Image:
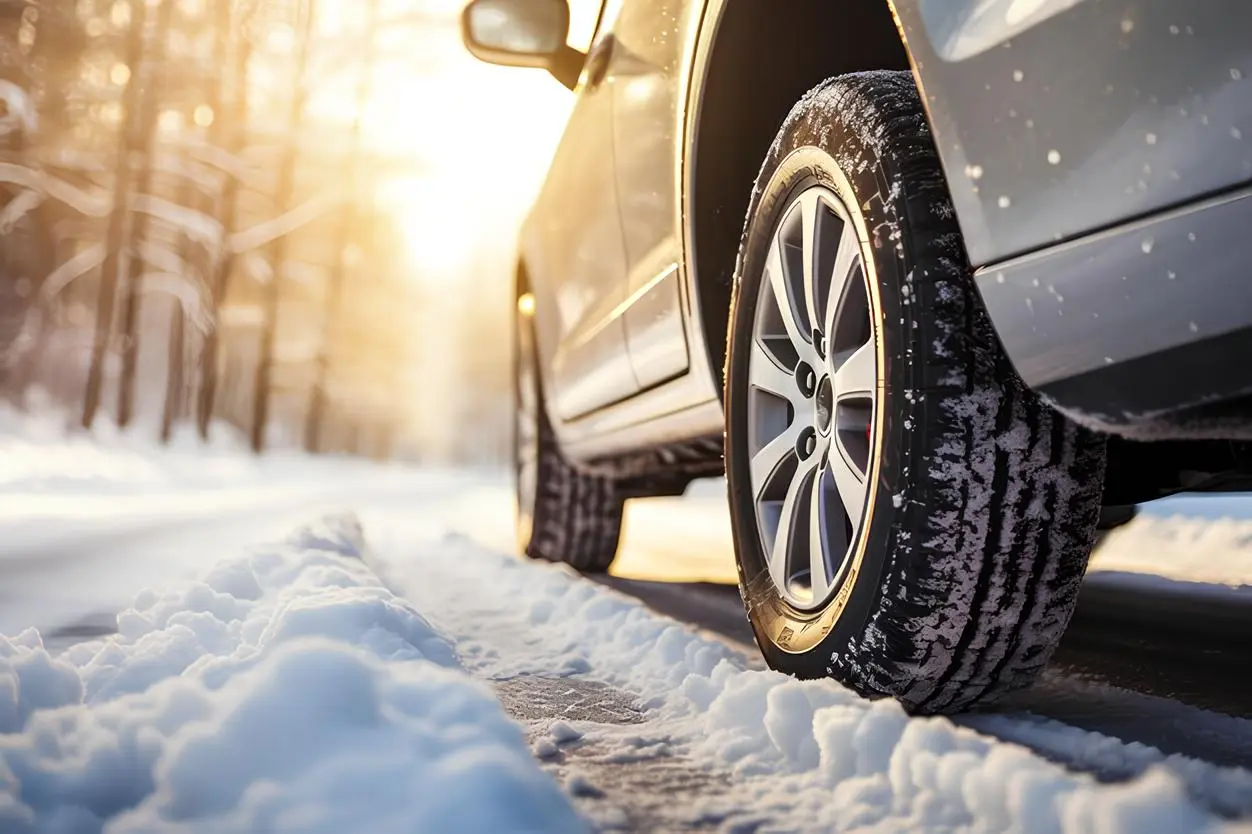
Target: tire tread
[577, 517]
[988, 549]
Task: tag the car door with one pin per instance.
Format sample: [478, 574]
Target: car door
[579, 272]
[649, 40]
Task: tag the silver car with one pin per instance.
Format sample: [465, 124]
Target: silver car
[936, 283]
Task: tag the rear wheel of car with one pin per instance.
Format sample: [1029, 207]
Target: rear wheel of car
[563, 515]
[908, 517]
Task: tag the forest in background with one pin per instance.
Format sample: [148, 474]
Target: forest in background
[182, 242]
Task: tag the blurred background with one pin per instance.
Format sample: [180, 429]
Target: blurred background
[289, 220]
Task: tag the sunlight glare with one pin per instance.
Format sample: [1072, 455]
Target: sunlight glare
[437, 224]
[479, 137]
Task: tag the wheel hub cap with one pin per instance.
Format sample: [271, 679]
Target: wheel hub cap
[812, 396]
[824, 405]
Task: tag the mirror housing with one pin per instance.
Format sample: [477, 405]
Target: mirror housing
[522, 33]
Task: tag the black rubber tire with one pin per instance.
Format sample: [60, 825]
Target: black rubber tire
[982, 508]
[574, 518]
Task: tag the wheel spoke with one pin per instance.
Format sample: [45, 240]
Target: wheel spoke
[810, 209]
[811, 387]
[765, 373]
[846, 260]
[856, 373]
[767, 461]
[827, 536]
[850, 484]
[792, 531]
[790, 308]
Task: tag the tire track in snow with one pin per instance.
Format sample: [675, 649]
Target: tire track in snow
[512, 619]
[599, 740]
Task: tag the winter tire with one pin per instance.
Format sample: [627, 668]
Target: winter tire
[563, 515]
[908, 518]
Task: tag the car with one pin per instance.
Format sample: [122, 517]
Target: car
[937, 284]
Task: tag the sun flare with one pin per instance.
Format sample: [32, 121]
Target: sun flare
[472, 139]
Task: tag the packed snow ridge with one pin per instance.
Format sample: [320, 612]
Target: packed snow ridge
[285, 691]
[811, 755]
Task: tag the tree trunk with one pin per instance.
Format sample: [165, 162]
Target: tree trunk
[233, 389]
[284, 192]
[334, 290]
[174, 382]
[115, 236]
[151, 69]
[28, 365]
[224, 260]
[175, 371]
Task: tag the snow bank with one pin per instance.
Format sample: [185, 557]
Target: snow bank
[284, 691]
[1214, 551]
[814, 754]
[42, 453]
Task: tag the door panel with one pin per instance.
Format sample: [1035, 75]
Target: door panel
[583, 278]
[645, 75]
[655, 332]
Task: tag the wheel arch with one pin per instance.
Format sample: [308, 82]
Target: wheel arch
[736, 107]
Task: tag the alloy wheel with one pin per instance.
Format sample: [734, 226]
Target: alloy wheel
[812, 397]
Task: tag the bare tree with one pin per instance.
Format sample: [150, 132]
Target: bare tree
[334, 290]
[150, 108]
[133, 209]
[191, 251]
[175, 360]
[283, 199]
[228, 202]
[174, 382]
[115, 236]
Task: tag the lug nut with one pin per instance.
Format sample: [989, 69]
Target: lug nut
[806, 378]
[806, 444]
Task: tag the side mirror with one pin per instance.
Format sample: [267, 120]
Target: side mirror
[522, 33]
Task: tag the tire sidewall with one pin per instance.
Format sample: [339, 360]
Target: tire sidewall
[805, 643]
[984, 500]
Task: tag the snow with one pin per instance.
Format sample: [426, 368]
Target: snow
[86, 523]
[40, 457]
[1197, 541]
[818, 756]
[287, 690]
[380, 668]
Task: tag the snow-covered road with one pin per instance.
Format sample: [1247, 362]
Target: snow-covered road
[355, 674]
